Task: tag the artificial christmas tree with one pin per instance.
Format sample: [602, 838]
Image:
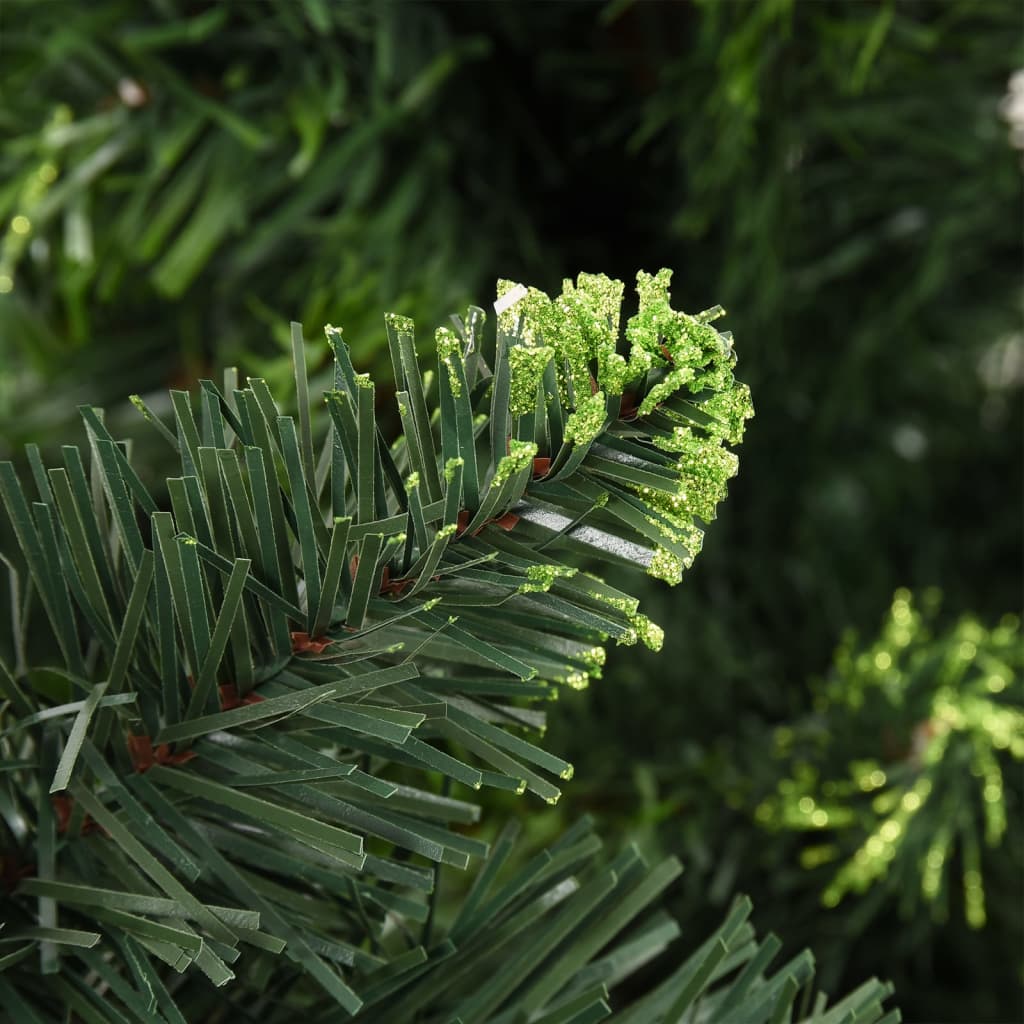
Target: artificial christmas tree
[232, 730]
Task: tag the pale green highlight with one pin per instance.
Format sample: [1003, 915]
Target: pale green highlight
[520, 455]
[948, 741]
[527, 365]
[585, 424]
[399, 323]
[449, 350]
[540, 578]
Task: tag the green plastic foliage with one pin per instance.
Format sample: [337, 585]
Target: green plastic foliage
[901, 766]
[237, 790]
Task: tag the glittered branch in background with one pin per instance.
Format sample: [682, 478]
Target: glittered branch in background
[908, 788]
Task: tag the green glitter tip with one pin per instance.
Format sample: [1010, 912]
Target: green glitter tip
[540, 578]
[587, 422]
[650, 633]
[527, 364]
[521, 454]
[666, 566]
[450, 467]
[582, 326]
[449, 352]
[400, 324]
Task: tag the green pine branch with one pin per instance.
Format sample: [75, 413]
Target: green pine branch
[226, 721]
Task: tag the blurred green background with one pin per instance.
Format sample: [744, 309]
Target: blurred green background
[180, 179]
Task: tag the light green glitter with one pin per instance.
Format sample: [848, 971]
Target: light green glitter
[582, 326]
[412, 481]
[677, 442]
[716, 377]
[692, 536]
[705, 468]
[527, 364]
[705, 475]
[450, 467]
[520, 455]
[628, 638]
[651, 634]
[364, 380]
[595, 303]
[677, 528]
[730, 409]
[541, 322]
[684, 355]
[655, 318]
[400, 324]
[508, 317]
[626, 605]
[584, 425]
[666, 388]
[666, 566]
[614, 372]
[540, 578]
[449, 349]
[593, 659]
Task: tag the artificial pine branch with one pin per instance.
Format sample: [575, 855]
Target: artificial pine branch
[908, 792]
[230, 776]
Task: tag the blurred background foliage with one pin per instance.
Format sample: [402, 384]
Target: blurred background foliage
[180, 179]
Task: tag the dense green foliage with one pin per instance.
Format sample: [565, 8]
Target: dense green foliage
[843, 177]
[273, 676]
